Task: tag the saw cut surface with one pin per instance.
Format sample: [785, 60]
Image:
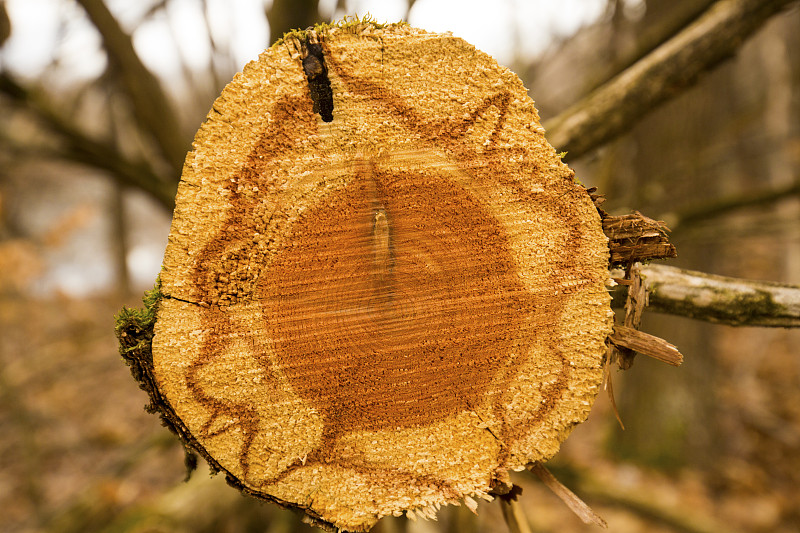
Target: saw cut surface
[383, 289]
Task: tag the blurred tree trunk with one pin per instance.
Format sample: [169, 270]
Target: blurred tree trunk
[152, 108]
[287, 15]
[695, 150]
[5, 24]
[119, 240]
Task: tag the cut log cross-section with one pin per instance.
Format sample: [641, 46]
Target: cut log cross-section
[383, 289]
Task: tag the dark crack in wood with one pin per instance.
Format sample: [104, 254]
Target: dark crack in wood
[318, 83]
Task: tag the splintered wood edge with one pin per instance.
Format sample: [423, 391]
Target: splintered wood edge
[635, 237]
[646, 344]
[211, 185]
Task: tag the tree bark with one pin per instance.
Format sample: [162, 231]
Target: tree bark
[646, 344]
[720, 299]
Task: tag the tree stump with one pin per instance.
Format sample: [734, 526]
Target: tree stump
[383, 289]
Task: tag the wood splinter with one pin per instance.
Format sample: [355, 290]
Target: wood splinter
[646, 344]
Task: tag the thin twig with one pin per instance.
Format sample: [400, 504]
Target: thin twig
[577, 505]
[608, 385]
[514, 516]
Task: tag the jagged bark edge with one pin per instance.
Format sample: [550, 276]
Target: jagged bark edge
[134, 329]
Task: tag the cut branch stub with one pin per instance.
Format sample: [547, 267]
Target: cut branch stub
[383, 289]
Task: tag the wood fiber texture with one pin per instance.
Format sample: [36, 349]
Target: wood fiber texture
[386, 311]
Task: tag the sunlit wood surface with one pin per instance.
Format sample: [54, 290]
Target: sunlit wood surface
[386, 311]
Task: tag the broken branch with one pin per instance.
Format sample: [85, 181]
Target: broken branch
[720, 299]
[577, 505]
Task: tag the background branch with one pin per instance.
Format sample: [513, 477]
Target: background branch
[720, 299]
[77, 146]
[664, 73]
[670, 22]
[695, 213]
[151, 106]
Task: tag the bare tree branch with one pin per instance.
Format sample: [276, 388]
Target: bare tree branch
[661, 75]
[700, 212]
[514, 516]
[649, 506]
[676, 18]
[719, 299]
[578, 506]
[79, 147]
[151, 107]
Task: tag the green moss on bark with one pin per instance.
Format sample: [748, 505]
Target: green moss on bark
[134, 328]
